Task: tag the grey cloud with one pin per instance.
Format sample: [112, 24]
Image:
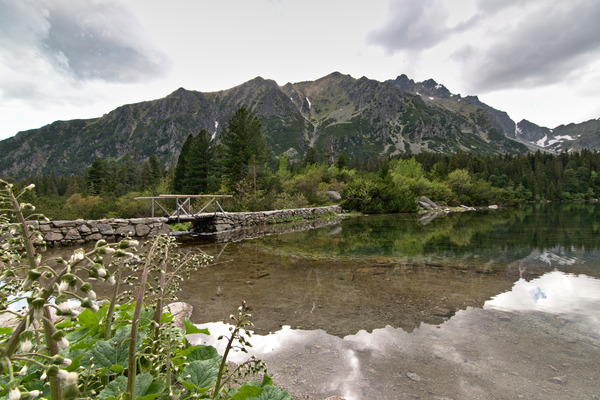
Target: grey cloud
[412, 25]
[549, 43]
[83, 40]
[100, 40]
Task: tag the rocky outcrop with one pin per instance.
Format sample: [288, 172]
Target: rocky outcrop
[82, 231]
[428, 204]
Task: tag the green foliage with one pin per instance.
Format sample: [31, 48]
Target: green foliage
[151, 172]
[111, 350]
[197, 169]
[181, 167]
[448, 179]
[245, 149]
[375, 196]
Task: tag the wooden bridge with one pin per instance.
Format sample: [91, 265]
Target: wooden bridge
[183, 206]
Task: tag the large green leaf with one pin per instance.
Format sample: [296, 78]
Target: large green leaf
[144, 389]
[201, 353]
[200, 375]
[113, 389]
[247, 391]
[88, 319]
[107, 354]
[191, 328]
[5, 331]
[271, 393]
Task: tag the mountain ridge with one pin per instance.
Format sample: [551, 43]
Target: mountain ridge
[337, 113]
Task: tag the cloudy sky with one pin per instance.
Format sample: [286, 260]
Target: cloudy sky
[64, 59]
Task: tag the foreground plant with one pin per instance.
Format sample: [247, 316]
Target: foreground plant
[110, 350]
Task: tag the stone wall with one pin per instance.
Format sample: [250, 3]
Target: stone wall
[237, 220]
[80, 231]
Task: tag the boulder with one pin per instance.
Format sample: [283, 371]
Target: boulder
[180, 311]
[428, 204]
[333, 195]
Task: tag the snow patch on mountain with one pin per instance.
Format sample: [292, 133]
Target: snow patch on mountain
[559, 139]
[214, 135]
[542, 141]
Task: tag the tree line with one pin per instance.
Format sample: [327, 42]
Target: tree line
[241, 163]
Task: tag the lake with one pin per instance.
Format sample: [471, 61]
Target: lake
[493, 304]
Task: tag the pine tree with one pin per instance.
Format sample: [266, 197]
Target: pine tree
[200, 172]
[181, 167]
[97, 176]
[245, 148]
[151, 172]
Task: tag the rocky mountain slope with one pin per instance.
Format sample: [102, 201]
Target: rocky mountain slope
[571, 137]
[362, 117]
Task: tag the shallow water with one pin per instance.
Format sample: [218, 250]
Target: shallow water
[499, 304]
[481, 305]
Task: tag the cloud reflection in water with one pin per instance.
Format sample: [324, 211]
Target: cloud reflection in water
[478, 351]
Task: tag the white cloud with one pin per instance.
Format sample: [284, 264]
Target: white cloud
[61, 59]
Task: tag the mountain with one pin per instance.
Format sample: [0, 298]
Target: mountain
[571, 137]
[362, 117]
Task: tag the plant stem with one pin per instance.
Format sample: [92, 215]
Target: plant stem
[112, 304]
[28, 242]
[223, 364]
[134, 324]
[159, 300]
[55, 385]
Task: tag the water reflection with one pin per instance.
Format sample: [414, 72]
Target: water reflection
[481, 305]
[548, 349]
[554, 292]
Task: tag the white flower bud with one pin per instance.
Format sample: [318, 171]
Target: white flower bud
[23, 371]
[65, 308]
[62, 374]
[91, 294]
[71, 378]
[77, 256]
[34, 393]
[66, 362]
[14, 394]
[102, 272]
[26, 346]
[111, 280]
[64, 344]
[63, 287]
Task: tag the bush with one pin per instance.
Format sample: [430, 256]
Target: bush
[378, 196]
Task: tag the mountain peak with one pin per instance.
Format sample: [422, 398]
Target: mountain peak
[337, 113]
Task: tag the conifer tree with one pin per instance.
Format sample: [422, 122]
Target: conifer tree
[151, 172]
[97, 176]
[245, 148]
[200, 172]
[181, 167]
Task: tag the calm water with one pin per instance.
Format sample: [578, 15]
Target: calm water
[499, 304]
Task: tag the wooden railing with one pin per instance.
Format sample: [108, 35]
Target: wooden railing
[183, 205]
